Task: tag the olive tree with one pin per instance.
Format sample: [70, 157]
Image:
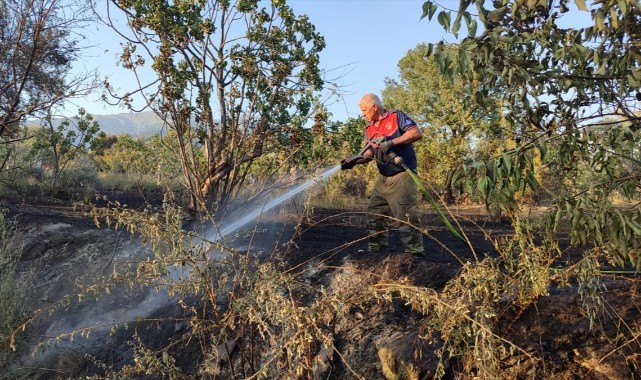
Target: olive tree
[231, 78]
[564, 84]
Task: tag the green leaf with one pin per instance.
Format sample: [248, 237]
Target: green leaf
[634, 226]
[463, 4]
[497, 15]
[557, 217]
[444, 19]
[623, 6]
[624, 246]
[471, 27]
[456, 26]
[430, 49]
[506, 161]
[615, 18]
[531, 181]
[433, 9]
[599, 19]
[457, 175]
[463, 60]
[490, 169]
[468, 187]
[515, 8]
[581, 5]
[426, 9]
[441, 59]
[622, 223]
[543, 148]
[469, 44]
[483, 186]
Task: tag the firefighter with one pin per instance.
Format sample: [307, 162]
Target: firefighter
[396, 194]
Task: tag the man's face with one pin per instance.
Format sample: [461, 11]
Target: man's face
[369, 111]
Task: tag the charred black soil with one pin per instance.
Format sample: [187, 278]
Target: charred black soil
[63, 248]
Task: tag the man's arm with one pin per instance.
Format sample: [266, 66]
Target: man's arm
[367, 156]
[412, 134]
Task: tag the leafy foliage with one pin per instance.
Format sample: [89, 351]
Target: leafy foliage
[126, 155]
[497, 181]
[462, 316]
[571, 94]
[453, 120]
[236, 303]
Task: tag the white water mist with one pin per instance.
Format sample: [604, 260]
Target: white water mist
[214, 235]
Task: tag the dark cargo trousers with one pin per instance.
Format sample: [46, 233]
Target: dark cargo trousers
[395, 197]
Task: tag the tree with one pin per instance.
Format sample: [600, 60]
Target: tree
[37, 49]
[561, 83]
[452, 118]
[228, 97]
[58, 145]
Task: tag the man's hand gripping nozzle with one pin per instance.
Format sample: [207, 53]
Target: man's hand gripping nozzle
[350, 162]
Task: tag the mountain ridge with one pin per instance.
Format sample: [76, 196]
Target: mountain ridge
[135, 124]
[138, 124]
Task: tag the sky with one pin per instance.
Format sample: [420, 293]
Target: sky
[365, 40]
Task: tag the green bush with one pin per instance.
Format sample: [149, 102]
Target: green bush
[83, 173]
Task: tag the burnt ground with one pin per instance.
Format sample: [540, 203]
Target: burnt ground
[553, 338]
[63, 248]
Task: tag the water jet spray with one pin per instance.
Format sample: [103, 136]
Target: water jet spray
[215, 234]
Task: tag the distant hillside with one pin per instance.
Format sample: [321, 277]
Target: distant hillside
[143, 124]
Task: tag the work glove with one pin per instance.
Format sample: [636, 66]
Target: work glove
[383, 147]
[348, 163]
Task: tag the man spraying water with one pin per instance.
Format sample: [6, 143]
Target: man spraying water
[396, 193]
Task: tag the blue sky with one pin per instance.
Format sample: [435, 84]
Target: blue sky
[365, 40]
